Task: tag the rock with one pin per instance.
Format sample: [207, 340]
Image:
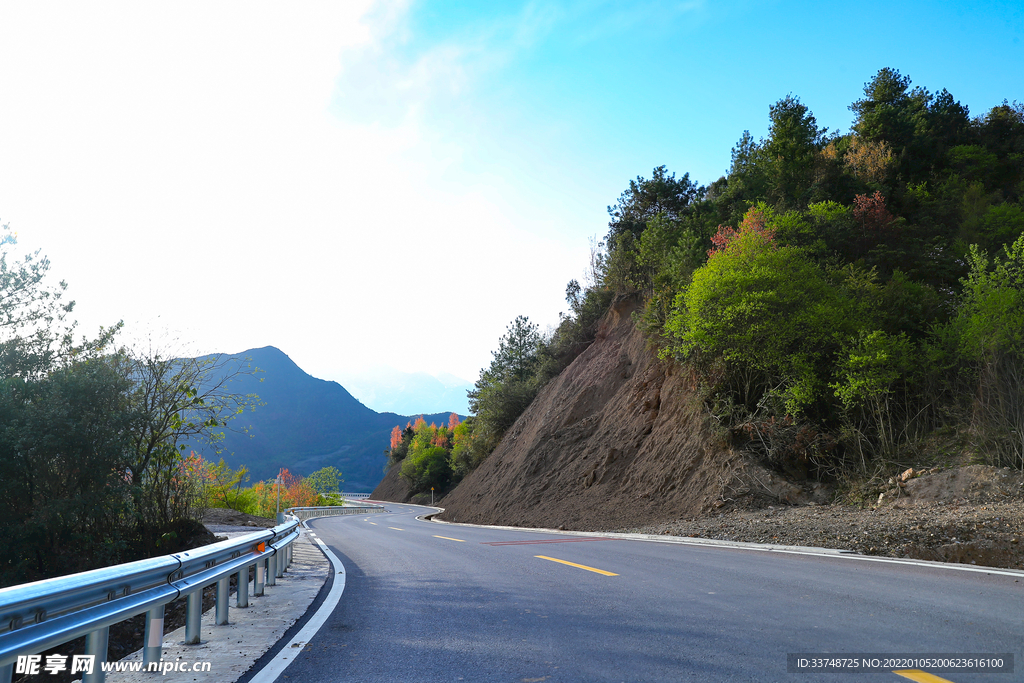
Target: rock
[907, 475]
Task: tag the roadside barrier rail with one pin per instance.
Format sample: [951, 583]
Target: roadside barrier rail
[331, 511]
[37, 616]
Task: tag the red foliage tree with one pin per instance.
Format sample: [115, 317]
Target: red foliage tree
[754, 223]
[871, 213]
[396, 437]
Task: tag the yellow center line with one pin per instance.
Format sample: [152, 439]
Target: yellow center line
[396, 528]
[373, 523]
[920, 676]
[449, 539]
[578, 566]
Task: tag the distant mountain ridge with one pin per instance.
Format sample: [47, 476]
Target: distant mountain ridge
[389, 390]
[305, 424]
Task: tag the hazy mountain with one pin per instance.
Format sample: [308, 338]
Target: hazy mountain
[406, 393]
[307, 423]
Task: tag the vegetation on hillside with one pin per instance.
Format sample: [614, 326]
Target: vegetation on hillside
[524, 362]
[870, 293]
[92, 468]
[847, 300]
[431, 456]
[223, 487]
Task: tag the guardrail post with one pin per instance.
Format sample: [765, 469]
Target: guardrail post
[272, 570]
[242, 592]
[193, 616]
[154, 636]
[223, 588]
[279, 564]
[96, 645]
[260, 578]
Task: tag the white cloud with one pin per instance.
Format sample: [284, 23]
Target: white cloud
[185, 163]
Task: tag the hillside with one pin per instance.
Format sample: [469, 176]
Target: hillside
[614, 444]
[305, 424]
[614, 440]
[838, 307]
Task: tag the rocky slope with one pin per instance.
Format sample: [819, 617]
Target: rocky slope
[617, 439]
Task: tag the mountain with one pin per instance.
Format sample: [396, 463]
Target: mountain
[305, 424]
[391, 390]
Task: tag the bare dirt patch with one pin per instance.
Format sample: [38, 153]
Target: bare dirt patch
[988, 535]
[226, 517]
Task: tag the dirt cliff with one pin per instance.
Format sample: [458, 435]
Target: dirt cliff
[392, 487]
[616, 439]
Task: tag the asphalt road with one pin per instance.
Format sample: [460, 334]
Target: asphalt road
[432, 602]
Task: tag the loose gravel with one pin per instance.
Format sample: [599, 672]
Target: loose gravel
[988, 534]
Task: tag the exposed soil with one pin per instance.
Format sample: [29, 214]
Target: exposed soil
[392, 487]
[973, 515]
[617, 439]
[225, 517]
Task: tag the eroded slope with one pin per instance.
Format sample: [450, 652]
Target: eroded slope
[616, 439]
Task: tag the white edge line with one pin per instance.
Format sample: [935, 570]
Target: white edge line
[275, 667]
[740, 545]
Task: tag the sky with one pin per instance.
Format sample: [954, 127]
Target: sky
[366, 184]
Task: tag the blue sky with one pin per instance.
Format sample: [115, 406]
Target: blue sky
[390, 183]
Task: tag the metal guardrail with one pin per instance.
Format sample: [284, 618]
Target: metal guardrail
[331, 511]
[44, 614]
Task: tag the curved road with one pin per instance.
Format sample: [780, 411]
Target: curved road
[436, 602]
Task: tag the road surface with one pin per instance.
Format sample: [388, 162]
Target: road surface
[432, 602]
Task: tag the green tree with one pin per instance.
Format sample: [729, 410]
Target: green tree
[508, 385]
[646, 198]
[789, 153]
[64, 500]
[869, 371]
[326, 480]
[893, 113]
[225, 486]
[990, 327]
[768, 313]
[177, 402]
[427, 468]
